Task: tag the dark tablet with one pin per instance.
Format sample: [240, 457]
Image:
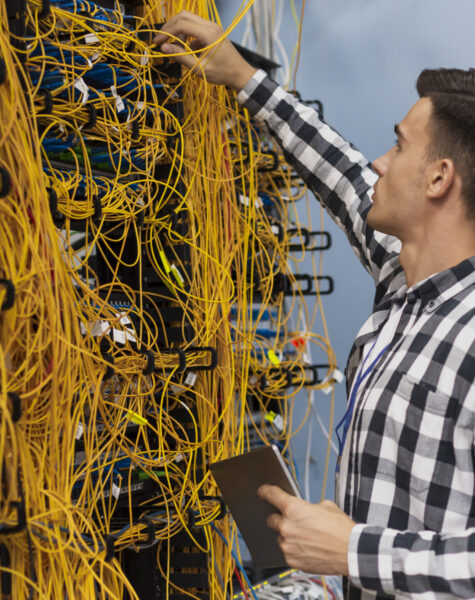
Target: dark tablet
[239, 478]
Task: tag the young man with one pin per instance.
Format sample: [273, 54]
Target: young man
[406, 523]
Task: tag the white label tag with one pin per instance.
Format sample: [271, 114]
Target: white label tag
[91, 38]
[253, 379]
[279, 423]
[275, 229]
[190, 379]
[79, 430]
[130, 335]
[179, 457]
[140, 105]
[144, 59]
[118, 336]
[244, 199]
[95, 56]
[100, 327]
[119, 104]
[80, 85]
[306, 358]
[338, 376]
[115, 490]
[124, 319]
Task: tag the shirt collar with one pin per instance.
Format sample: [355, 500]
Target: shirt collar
[440, 287]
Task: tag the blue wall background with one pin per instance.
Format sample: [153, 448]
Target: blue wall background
[362, 58]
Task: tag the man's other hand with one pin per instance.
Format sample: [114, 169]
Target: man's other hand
[213, 54]
[313, 537]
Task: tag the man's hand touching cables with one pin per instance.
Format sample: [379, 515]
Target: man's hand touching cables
[313, 537]
[201, 46]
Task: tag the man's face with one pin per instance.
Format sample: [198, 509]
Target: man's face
[399, 199]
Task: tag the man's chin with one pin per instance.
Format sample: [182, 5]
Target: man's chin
[378, 224]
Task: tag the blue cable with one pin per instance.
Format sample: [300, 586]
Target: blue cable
[241, 568]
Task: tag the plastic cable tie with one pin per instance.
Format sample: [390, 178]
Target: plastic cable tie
[272, 356]
[109, 542]
[79, 431]
[97, 209]
[136, 418]
[151, 539]
[9, 299]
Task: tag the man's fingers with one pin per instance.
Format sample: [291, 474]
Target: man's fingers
[181, 26]
[274, 521]
[274, 495]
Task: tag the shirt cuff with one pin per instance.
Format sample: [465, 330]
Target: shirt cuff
[370, 553]
[250, 86]
[259, 95]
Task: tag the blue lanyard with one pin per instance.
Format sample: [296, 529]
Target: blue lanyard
[346, 420]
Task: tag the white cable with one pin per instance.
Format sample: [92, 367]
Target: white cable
[324, 429]
[308, 453]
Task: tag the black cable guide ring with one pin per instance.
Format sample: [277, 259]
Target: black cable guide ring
[10, 295]
[150, 368]
[3, 71]
[6, 183]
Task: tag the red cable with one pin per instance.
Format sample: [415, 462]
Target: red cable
[238, 577]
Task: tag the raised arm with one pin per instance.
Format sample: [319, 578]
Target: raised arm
[334, 170]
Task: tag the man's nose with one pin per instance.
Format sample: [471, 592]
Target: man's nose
[380, 165]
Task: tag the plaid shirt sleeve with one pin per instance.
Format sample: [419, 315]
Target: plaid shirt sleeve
[394, 562]
[332, 168]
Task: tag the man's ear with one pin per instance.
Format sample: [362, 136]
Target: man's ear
[441, 178]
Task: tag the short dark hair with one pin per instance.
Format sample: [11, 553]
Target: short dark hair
[452, 92]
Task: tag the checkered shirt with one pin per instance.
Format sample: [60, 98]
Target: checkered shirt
[410, 484]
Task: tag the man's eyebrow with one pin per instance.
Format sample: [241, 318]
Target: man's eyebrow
[398, 132]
